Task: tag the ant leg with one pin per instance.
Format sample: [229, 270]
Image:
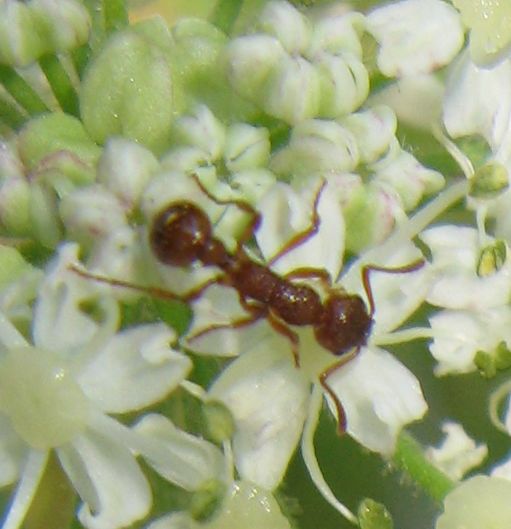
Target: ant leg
[156, 292]
[367, 269]
[255, 217]
[302, 236]
[341, 414]
[151, 291]
[288, 333]
[255, 310]
[320, 274]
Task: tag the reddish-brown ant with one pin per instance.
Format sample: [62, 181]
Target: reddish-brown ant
[182, 234]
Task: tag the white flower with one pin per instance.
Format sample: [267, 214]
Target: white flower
[458, 453]
[415, 36]
[269, 396]
[57, 392]
[477, 315]
[478, 502]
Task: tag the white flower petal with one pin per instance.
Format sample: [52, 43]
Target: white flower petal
[105, 474]
[477, 101]
[455, 254]
[416, 36]
[31, 475]
[268, 397]
[178, 456]
[458, 335]
[136, 368]
[12, 452]
[379, 396]
[458, 453]
[396, 296]
[403, 97]
[60, 324]
[284, 217]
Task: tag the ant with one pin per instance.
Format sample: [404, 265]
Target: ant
[182, 235]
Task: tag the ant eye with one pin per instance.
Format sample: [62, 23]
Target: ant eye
[179, 234]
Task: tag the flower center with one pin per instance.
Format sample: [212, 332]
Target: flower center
[46, 406]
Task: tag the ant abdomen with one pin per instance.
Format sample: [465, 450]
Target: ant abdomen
[179, 234]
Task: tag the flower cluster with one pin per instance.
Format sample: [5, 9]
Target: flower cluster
[215, 231]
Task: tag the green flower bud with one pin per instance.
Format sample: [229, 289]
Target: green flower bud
[15, 206]
[374, 131]
[489, 363]
[62, 24]
[344, 84]
[246, 147]
[219, 421]
[19, 43]
[203, 130]
[199, 71]
[90, 213]
[45, 221]
[12, 265]
[288, 25]
[127, 91]
[206, 501]
[338, 35]
[317, 146]
[489, 180]
[31, 29]
[293, 90]
[58, 142]
[374, 515]
[250, 61]
[125, 167]
[492, 258]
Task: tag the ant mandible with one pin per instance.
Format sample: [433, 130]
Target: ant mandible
[182, 234]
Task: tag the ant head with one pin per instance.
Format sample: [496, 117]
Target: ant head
[345, 323]
[179, 234]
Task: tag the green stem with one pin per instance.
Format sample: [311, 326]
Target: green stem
[409, 456]
[80, 57]
[115, 14]
[10, 115]
[225, 14]
[60, 83]
[21, 91]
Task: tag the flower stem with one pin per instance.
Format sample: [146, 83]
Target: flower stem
[60, 83]
[11, 116]
[80, 57]
[225, 14]
[115, 14]
[21, 91]
[409, 456]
